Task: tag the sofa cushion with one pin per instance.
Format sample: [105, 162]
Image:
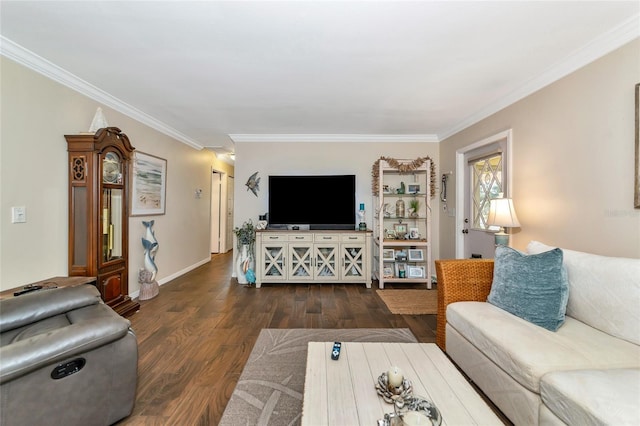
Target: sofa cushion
[593, 397]
[527, 352]
[531, 287]
[604, 292]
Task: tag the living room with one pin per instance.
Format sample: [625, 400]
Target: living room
[573, 170]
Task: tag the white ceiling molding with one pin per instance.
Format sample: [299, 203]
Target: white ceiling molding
[239, 138]
[617, 37]
[42, 66]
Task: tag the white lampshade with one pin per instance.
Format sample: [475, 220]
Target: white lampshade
[502, 213]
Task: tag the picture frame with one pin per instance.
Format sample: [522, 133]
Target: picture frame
[401, 255]
[388, 255]
[386, 189]
[400, 229]
[416, 272]
[413, 189]
[414, 233]
[636, 203]
[416, 255]
[148, 184]
[388, 270]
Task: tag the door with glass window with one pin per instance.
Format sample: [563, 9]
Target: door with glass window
[485, 178]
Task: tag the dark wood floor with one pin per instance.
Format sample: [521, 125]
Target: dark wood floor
[196, 335]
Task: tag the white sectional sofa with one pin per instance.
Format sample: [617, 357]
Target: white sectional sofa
[587, 372]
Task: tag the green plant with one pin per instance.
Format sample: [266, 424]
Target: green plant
[414, 204]
[246, 234]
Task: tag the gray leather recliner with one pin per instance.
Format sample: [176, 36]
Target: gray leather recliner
[65, 359]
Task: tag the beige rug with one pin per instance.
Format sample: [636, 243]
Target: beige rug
[410, 302]
[270, 389]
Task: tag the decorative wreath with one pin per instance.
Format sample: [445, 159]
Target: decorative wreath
[403, 166]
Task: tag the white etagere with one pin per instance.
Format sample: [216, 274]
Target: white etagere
[402, 241]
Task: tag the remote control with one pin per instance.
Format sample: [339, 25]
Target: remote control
[335, 353]
[27, 289]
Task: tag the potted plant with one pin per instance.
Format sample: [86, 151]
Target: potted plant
[245, 240]
[414, 205]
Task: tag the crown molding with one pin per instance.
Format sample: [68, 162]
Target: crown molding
[239, 138]
[597, 48]
[42, 66]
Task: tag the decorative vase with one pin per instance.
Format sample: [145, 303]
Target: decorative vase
[400, 208]
[243, 263]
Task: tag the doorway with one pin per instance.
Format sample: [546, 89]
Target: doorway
[485, 167]
[216, 206]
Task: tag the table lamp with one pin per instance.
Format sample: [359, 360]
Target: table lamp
[502, 214]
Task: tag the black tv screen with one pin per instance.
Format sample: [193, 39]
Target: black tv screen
[319, 201]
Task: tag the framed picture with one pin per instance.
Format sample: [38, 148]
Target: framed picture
[148, 185]
[387, 270]
[414, 233]
[416, 272]
[416, 255]
[388, 254]
[637, 163]
[386, 189]
[401, 270]
[413, 189]
[401, 256]
[400, 229]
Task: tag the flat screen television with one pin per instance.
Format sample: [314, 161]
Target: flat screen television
[313, 201]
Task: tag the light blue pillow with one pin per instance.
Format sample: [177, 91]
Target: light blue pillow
[533, 287]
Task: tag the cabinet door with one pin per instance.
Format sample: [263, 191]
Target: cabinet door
[300, 261]
[353, 261]
[272, 261]
[110, 286]
[326, 262]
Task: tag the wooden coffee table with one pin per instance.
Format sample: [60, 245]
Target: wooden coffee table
[343, 392]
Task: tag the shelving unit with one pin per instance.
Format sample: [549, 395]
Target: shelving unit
[402, 241]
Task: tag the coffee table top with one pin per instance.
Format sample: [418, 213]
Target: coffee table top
[343, 392]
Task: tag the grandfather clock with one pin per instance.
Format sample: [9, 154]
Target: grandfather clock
[99, 213]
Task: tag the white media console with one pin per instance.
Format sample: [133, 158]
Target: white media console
[313, 256]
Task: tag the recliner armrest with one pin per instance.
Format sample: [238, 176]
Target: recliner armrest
[24, 356]
[32, 307]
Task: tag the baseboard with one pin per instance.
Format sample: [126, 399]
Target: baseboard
[172, 277]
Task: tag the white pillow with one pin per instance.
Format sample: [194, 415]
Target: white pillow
[604, 292]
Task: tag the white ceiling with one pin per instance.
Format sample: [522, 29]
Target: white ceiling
[310, 70]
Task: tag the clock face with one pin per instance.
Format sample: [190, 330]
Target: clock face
[111, 168]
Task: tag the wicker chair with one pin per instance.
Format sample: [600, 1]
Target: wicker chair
[460, 280]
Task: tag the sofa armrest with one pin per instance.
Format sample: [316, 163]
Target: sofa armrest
[22, 357]
[32, 307]
[460, 280]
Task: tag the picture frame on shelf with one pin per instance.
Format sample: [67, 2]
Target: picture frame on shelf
[386, 189]
[388, 270]
[389, 234]
[388, 255]
[401, 270]
[416, 255]
[413, 189]
[414, 233]
[416, 272]
[400, 229]
[401, 255]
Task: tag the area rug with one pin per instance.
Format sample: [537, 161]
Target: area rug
[410, 302]
[271, 386]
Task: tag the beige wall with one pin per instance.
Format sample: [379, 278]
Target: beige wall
[573, 150]
[318, 158]
[36, 114]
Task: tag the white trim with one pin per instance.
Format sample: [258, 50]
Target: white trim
[171, 277]
[332, 138]
[460, 173]
[42, 66]
[615, 38]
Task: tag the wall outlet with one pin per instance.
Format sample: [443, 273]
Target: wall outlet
[18, 214]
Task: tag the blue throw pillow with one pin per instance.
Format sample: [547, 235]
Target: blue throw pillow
[533, 287]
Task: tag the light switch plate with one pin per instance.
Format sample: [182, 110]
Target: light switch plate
[18, 214]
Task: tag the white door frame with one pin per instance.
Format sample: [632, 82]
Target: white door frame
[460, 181]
